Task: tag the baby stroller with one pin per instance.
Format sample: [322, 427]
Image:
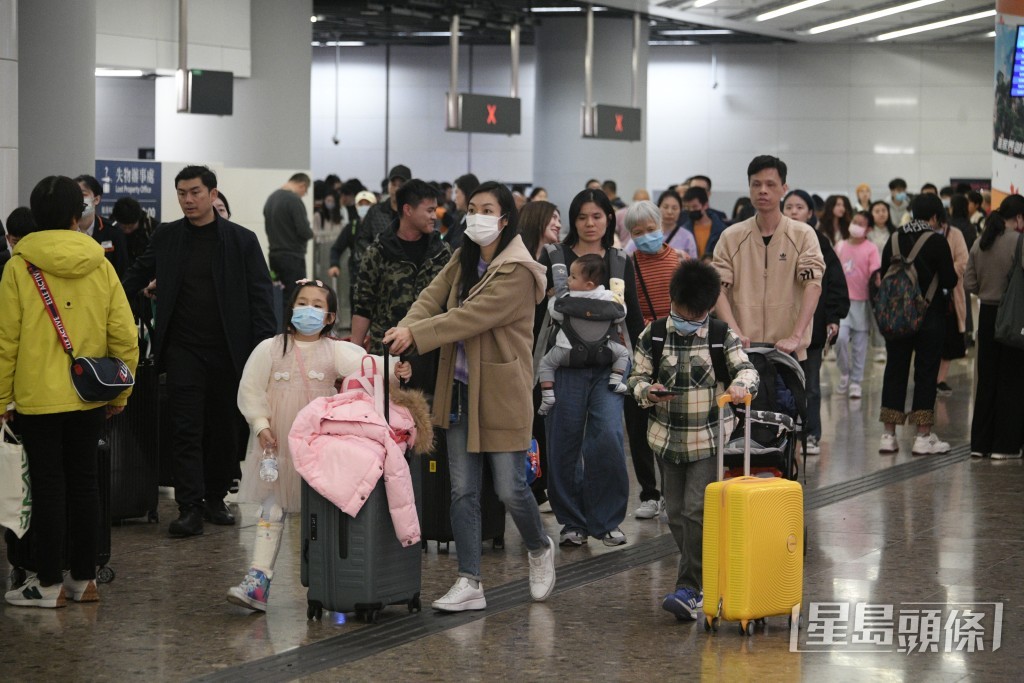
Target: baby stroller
[777, 415]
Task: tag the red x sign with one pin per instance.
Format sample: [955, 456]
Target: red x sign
[492, 114]
[618, 123]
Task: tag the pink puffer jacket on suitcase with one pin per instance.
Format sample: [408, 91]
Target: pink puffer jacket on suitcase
[342, 446]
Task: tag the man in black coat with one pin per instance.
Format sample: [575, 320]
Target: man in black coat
[214, 307]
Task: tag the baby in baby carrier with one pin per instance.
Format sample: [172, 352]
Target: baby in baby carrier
[588, 315]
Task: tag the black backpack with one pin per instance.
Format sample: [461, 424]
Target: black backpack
[717, 330]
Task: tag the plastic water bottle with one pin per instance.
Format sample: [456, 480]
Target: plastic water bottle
[268, 465]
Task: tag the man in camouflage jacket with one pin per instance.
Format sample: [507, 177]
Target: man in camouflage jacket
[394, 269]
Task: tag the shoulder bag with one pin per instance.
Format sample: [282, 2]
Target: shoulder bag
[1010, 314]
[96, 379]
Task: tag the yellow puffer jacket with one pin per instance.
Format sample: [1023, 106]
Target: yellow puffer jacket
[34, 370]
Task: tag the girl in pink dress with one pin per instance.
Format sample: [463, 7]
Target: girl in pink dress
[281, 377]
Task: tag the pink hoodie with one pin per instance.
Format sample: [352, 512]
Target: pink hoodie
[341, 446]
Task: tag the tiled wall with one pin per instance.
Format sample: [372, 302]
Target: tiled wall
[143, 34]
[125, 117]
[839, 115]
[416, 135]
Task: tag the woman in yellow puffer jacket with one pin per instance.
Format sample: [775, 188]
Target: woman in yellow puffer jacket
[60, 432]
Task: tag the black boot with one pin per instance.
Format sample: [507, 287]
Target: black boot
[189, 523]
[216, 511]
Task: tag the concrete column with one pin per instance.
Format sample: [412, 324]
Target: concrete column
[8, 107]
[56, 90]
[562, 159]
[270, 124]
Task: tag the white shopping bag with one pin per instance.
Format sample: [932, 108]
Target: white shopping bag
[15, 492]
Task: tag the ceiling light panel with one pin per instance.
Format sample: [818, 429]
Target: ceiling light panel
[978, 16]
[872, 16]
[789, 9]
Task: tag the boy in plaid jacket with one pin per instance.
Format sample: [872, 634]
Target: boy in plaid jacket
[681, 393]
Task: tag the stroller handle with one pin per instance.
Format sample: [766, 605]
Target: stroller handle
[726, 398]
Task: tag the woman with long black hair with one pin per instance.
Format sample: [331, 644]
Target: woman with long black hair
[996, 427]
[585, 425]
[479, 311]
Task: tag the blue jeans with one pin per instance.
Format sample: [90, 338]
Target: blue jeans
[509, 471]
[585, 428]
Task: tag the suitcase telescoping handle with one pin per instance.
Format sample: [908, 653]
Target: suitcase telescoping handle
[722, 401]
[387, 383]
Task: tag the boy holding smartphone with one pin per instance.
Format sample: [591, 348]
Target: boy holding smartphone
[681, 428]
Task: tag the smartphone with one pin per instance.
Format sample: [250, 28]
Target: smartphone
[667, 392]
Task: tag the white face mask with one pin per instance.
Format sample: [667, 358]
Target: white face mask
[482, 229]
[363, 210]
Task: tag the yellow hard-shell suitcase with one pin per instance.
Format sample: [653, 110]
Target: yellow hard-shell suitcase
[753, 544]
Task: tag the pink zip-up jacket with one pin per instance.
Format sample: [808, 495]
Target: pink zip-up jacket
[341, 446]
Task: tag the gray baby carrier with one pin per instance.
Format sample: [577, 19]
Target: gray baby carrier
[588, 324]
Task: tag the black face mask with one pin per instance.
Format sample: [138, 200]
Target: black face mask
[694, 215]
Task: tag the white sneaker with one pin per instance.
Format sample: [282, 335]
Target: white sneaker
[614, 537]
[855, 390]
[929, 444]
[813, 447]
[844, 382]
[648, 509]
[461, 597]
[542, 573]
[33, 594]
[1006, 456]
[888, 443]
[80, 591]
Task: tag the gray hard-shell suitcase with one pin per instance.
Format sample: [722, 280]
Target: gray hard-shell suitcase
[357, 564]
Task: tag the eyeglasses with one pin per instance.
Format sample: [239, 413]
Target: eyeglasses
[306, 281]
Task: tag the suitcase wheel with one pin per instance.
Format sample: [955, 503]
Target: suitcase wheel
[314, 610]
[104, 574]
[799, 621]
[415, 605]
[711, 624]
[746, 628]
[498, 543]
[369, 615]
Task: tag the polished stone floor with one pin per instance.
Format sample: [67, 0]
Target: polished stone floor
[953, 535]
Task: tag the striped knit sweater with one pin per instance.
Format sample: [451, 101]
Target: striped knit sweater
[654, 271]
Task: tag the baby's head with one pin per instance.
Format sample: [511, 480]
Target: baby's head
[586, 273]
[312, 302]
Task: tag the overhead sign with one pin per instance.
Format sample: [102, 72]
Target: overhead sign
[488, 114]
[139, 180]
[616, 123]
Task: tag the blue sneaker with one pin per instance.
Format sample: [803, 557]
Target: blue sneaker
[684, 603]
